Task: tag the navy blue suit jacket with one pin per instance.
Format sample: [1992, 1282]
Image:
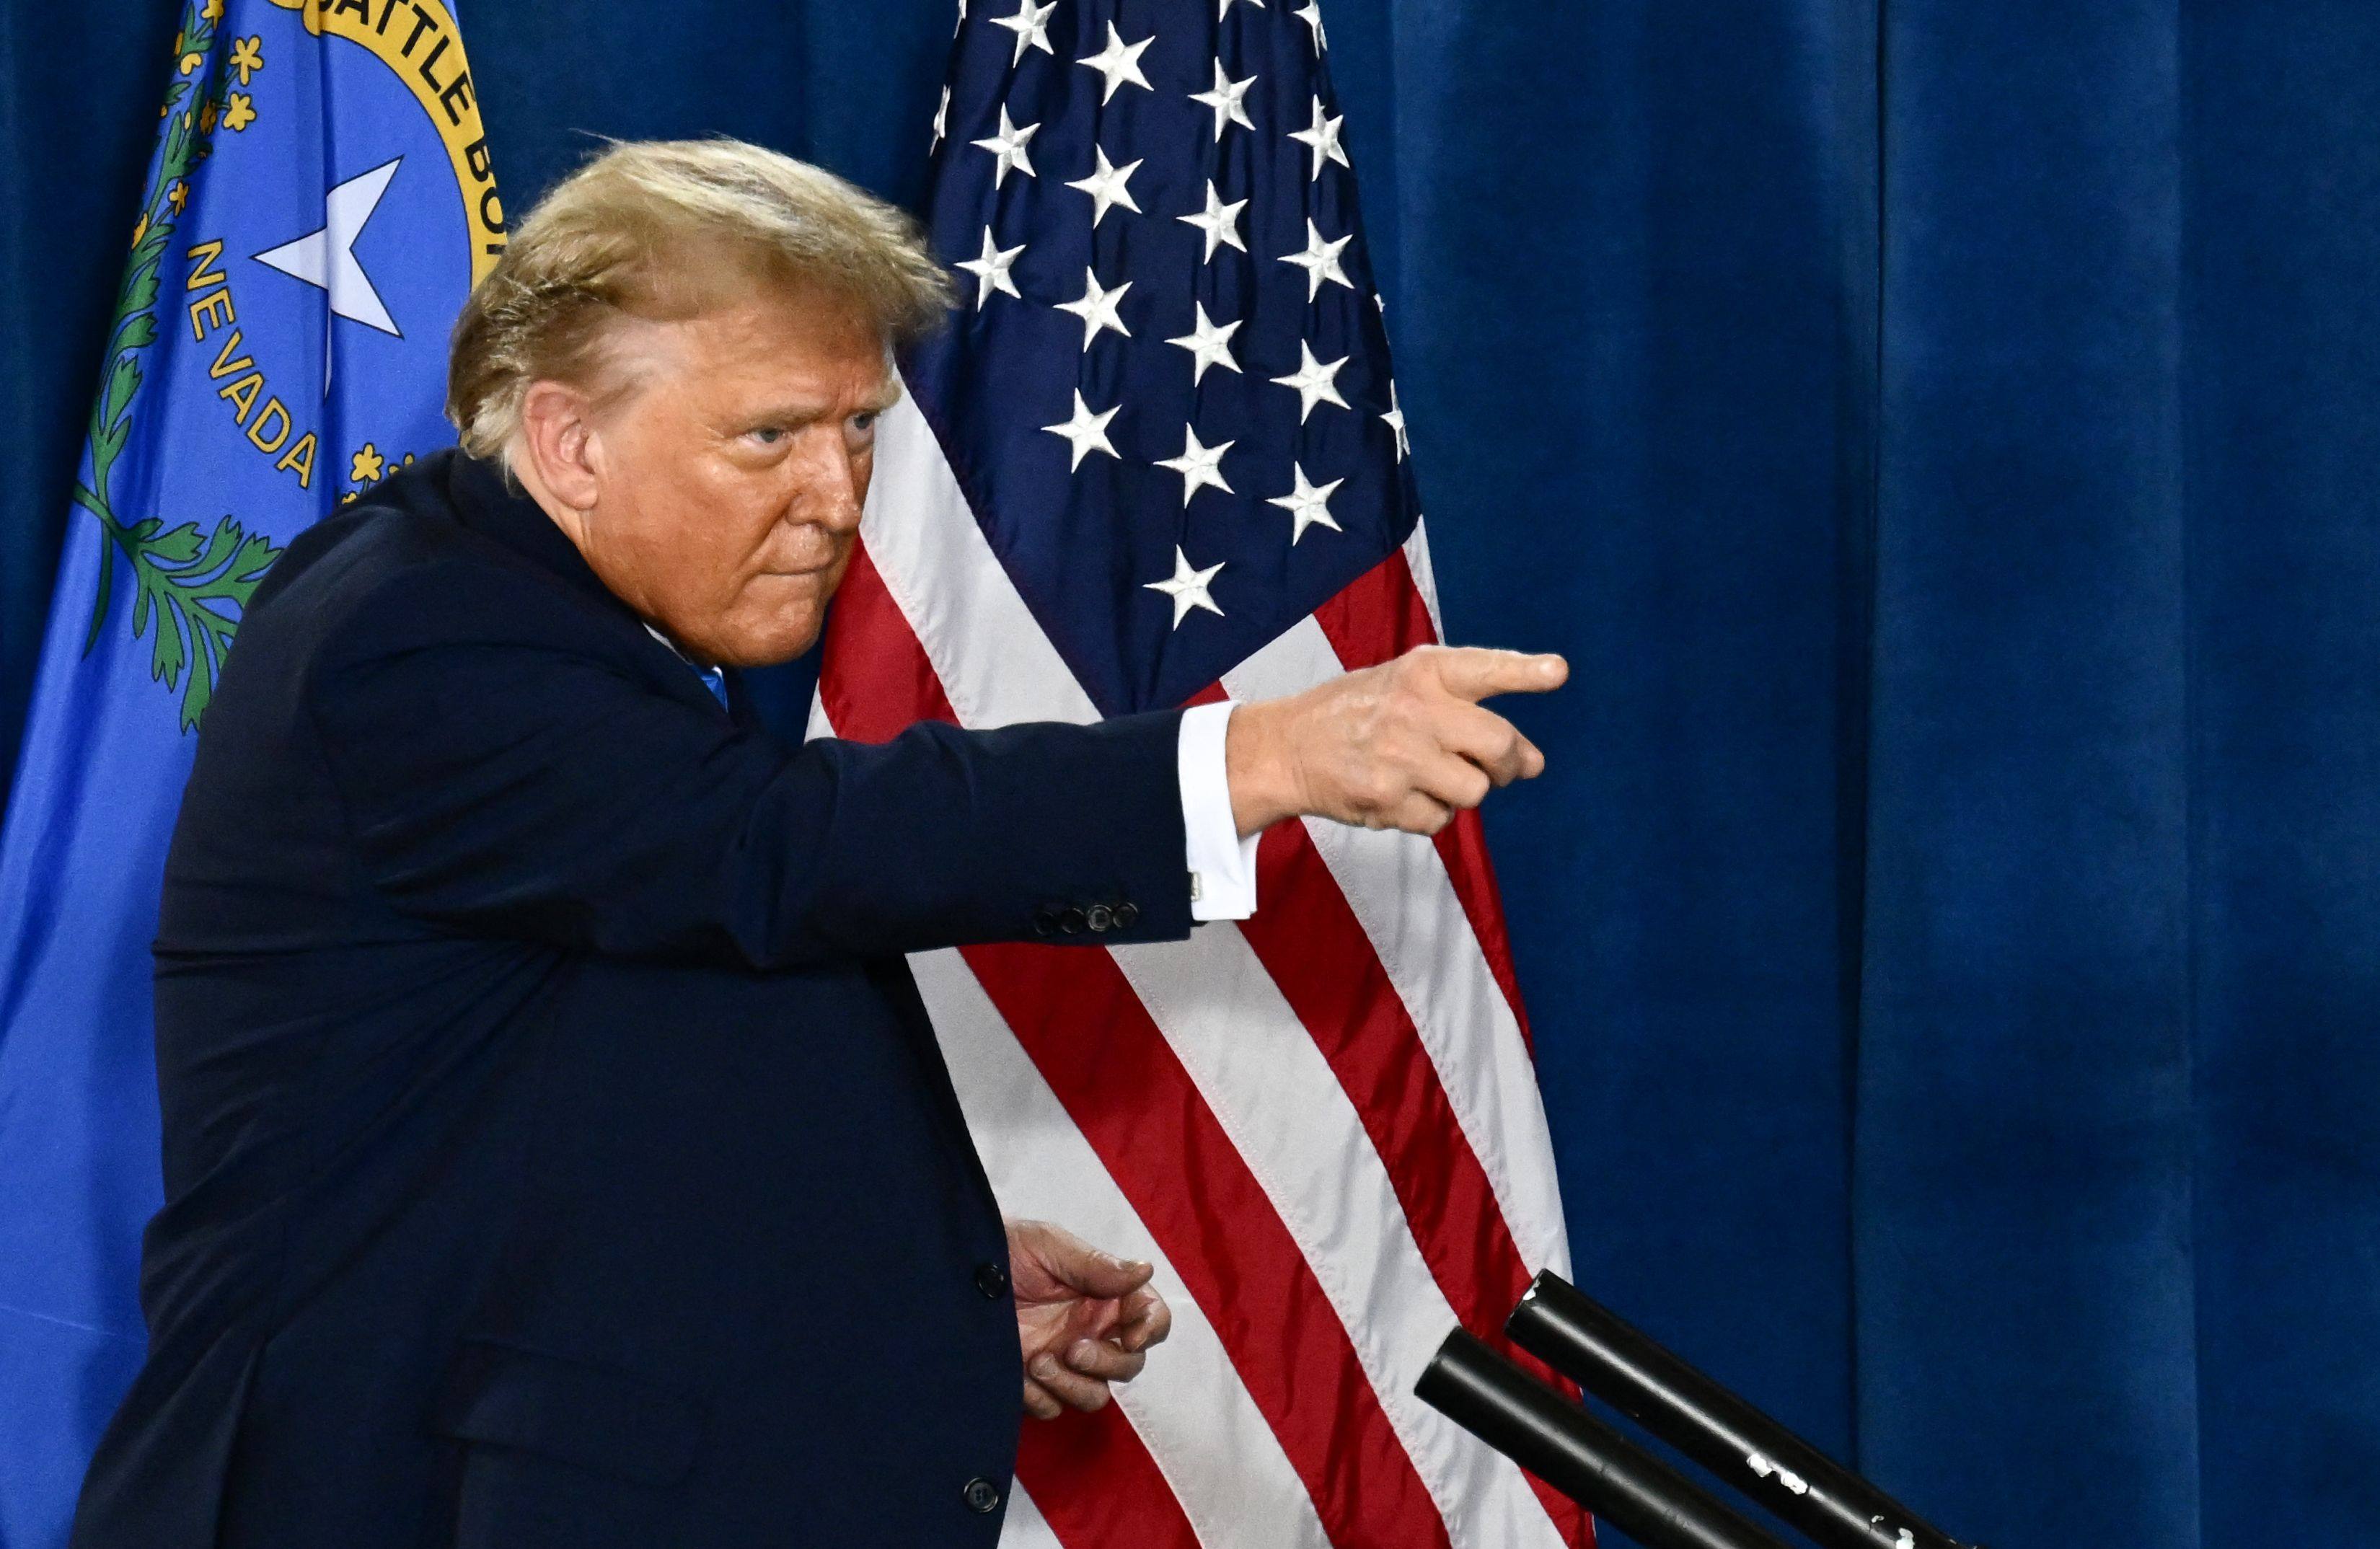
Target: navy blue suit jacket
[556, 1151]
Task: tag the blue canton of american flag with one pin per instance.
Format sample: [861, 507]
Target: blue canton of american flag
[1158, 458]
[1196, 440]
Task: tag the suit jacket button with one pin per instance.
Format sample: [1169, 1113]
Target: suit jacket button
[981, 1495]
[992, 1280]
[1044, 921]
[1100, 916]
[1073, 921]
[1126, 915]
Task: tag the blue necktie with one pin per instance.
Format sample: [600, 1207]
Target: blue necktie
[715, 680]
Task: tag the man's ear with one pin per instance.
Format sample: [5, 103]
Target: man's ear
[560, 442]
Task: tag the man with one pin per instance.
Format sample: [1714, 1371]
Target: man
[556, 1151]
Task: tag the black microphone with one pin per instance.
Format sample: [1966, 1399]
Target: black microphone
[1580, 1456]
[1595, 1349]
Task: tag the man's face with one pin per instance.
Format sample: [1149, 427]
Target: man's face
[728, 481]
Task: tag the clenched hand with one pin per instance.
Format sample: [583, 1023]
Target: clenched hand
[1400, 745]
[1085, 1318]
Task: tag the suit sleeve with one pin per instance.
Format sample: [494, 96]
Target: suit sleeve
[501, 785]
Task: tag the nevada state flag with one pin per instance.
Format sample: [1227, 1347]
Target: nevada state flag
[318, 206]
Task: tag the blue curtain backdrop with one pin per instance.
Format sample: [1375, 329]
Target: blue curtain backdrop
[1945, 438]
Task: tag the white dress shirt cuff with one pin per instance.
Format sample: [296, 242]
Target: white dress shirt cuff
[1222, 865]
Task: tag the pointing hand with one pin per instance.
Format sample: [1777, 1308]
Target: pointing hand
[1400, 745]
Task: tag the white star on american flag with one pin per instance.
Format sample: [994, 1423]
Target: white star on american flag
[1187, 588]
[1307, 504]
[1031, 25]
[1229, 99]
[1208, 344]
[1097, 308]
[1086, 432]
[1106, 185]
[1007, 148]
[1311, 14]
[1220, 222]
[1322, 135]
[991, 270]
[1316, 382]
[1321, 261]
[1198, 465]
[1119, 62]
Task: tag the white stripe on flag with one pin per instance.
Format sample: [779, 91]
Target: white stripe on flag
[1205, 1434]
[1425, 577]
[995, 666]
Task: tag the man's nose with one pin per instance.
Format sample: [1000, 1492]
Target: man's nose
[832, 488]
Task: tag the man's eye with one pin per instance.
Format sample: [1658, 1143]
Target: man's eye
[864, 423]
[768, 435]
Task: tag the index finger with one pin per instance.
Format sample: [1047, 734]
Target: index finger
[1476, 671]
[1096, 1271]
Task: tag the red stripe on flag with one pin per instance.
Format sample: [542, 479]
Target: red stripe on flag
[1056, 1460]
[875, 677]
[1462, 845]
[1378, 615]
[1126, 1091]
[1314, 949]
[1381, 615]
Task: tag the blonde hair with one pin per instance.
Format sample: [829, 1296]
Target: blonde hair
[668, 229]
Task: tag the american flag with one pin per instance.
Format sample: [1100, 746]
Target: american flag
[1159, 460]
